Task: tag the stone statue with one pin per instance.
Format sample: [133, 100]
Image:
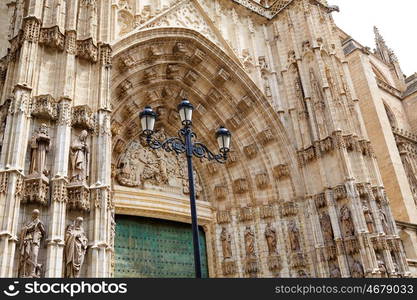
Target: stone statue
[384, 221]
[347, 223]
[75, 248]
[294, 236]
[79, 158]
[335, 271]
[226, 240]
[271, 239]
[357, 270]
[39, 148]
[368, 217]
[327, 228]
[381, 266]
[30, 239]
[249, 242]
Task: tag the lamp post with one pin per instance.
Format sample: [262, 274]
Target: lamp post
[184, 144]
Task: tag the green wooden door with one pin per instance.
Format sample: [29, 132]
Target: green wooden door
[154, 248]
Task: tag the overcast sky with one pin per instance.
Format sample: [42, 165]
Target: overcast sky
[395, 19]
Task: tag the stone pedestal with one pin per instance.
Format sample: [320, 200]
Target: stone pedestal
[78, 196]
[36, 189]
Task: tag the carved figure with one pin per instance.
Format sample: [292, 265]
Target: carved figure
[294, 236]
[80, 158]
[271, 238]
[347, 223]
[357, 270]
[30, 238]
[226, 240]
[327, 228]
[249, 241]
[75, 248]
[39, 148]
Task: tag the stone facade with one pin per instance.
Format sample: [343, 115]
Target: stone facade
[321, 178]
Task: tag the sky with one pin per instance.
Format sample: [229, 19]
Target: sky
[395, 19]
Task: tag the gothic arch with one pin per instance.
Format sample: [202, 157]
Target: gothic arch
[158, 67]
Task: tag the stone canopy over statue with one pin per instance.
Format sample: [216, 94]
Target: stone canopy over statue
[142, 166]
[30, 238]
[75, 248]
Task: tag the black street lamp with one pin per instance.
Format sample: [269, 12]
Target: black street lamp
[184, 144]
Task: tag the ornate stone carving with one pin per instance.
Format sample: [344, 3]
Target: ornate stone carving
[139, 165]
[126, 62]
[221, 77]
[173, 71]
[245, 104]
[78, 197]
[340, 192]
[75, 248]
[335, 271]
[262, 180]
[4, 182]
[197, 57]
[124, 87]
[226, 241]
[179, 49]
[223, 216]
[274, 262]
[357, 270]
[31, 29]
[267, 211]
[281, 171]
[36, 190]
[191, 77]
[298, 260]
[249, 238]
[82, 116]
[45, 107]
[320, 200]
[294, 236]
[87, 50]
[266, 136]
[52, 37]
[251, 150]
[271, 239]
[220, 191]
[240, 186]
[368, 216]
[211, 168]
[229, 268]
[39, 148]
[245, 214]
[326, 226]
[59, 190]
[30, 239]
[351, 245]
[289, 208]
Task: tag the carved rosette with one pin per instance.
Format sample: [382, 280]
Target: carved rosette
[87, 50]
[82, 116]
[52, 37]
[78, 197]
[45, 107]
[36, 190]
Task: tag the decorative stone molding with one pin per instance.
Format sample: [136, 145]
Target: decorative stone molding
[266, 136]
[179, 49]
[52, 37]
[82, 116]
[64, 112]
[330, 252]
[306, 155]
[71, 42]
[245, 104]
[229, 268]
[197, 57]
[245, 214]
[262, 180]
[232, 158]
[78, 197]
[211, 168]
[220, 192]
[379, 243]
[31, 29]
[191, 77]
[235, 121]
[326, 145]
[339, 192]
[116, 128]
[320, 200]
[298, 260]
[221, 77]
[251, 150]
[126, 62]
[87, 50]
[362, 189]
[124, 87]
[105, 55]
[289, 209]
[36, 190]
[59, 191]
[281, 171]
[4, 182]
[119, 146]
[223, 216]
[100, 197]
[251, 265]
[214, 97]
[351, 245]
[240, 186]
[45, 107]
[267, 211]
[21, 100]
[173, 71]
[150, 74]
[274, 263]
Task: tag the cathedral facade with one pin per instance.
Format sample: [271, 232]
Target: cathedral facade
[321, 177]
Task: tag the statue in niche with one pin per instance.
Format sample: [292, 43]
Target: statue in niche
[294, 236]
[357, 270]
[75, 248]
[271, 239]
[249, 242]
[327, 228]
[383, 218]
[381, 266]
[39, 148]
[79, 158]
[226, 240]
[368, 216]
[335, 271]
[247, 59]
[267, 87]
[30, 238]
[347, 223]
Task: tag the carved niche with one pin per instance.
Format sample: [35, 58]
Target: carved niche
[141, 166]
